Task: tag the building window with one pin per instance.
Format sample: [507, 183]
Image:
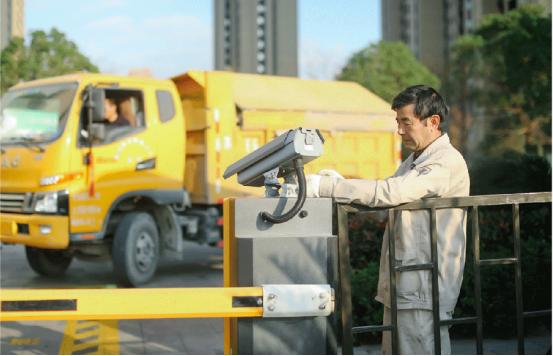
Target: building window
[227, 34]
[261, 48]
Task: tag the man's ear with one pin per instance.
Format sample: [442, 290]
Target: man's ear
[435, 121]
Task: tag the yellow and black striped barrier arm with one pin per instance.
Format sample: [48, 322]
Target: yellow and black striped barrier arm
[117, 304]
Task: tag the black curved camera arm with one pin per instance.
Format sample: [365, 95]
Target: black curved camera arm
[279, 219]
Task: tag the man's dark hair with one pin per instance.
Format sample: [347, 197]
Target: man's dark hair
[427, 102]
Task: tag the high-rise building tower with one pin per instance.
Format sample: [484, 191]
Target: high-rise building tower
[430, 27]
[12, 20]
[256, 36]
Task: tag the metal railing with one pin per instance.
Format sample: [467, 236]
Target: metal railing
[471, 203]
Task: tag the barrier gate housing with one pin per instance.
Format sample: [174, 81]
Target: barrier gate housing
[300, 251]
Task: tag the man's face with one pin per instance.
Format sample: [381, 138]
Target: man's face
[110, 110]
[415, 133]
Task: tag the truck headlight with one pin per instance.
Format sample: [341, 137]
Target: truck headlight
[47, 202]
[52, 202]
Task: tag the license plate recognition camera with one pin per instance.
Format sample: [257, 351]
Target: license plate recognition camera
[282, 157]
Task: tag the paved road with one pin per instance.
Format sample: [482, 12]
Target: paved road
[201, 266]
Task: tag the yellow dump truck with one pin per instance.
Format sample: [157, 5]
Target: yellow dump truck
[73, 185]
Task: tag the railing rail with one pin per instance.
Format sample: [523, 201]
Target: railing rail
[471, 203]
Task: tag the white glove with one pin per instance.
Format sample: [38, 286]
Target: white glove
[312, 185]
[330, 173]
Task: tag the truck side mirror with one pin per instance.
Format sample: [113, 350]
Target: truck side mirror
[95, 103]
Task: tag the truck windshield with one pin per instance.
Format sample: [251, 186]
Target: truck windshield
[35, 114]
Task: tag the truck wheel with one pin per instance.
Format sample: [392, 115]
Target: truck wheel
[50, 263]
[135, 250]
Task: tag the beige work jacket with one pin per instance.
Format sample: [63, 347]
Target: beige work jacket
[440, 171]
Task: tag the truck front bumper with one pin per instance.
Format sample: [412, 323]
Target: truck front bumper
[42, 231]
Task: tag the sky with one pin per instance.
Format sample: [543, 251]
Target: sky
[171, 37]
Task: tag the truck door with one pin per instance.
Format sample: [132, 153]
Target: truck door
[121, 160]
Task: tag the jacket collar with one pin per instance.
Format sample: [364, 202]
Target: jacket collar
[438, 144]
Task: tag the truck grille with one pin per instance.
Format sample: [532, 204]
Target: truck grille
[15, 202]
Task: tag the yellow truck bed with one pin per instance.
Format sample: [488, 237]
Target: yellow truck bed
[229, 115]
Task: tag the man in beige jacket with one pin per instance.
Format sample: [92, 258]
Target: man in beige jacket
[434, 169]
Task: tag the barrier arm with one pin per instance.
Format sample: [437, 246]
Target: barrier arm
[151, 303]
[268, 301]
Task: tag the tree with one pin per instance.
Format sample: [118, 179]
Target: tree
[48, 54]
[504, 70]
[13, 64]
[386, 68]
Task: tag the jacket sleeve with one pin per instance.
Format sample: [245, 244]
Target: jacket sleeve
[421, 182]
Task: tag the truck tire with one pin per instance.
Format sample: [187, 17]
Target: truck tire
[135, 251]
[50, 263]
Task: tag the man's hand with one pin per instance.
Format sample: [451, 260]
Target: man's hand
[314, 181]
[312, 185]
